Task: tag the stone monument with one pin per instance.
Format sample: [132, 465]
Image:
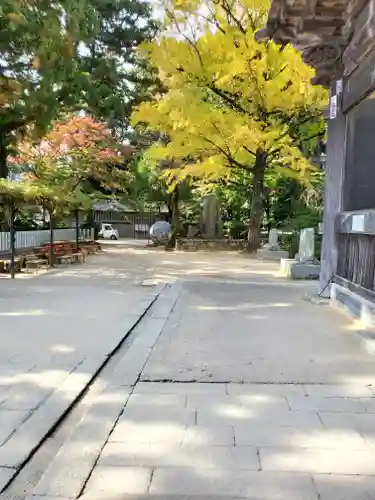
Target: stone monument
[306, 252]
[305, 265]
[211, 218]
[271, 250]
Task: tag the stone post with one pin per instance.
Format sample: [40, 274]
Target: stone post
[210, 219]
[306, 252]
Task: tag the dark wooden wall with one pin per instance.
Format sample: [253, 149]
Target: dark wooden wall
[334, 178]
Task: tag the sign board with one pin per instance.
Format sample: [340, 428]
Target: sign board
[358, 223]
[333, 107]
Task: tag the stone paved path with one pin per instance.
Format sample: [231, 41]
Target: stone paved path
[56, 330]
[232, 387]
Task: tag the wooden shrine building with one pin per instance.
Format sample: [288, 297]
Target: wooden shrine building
[337, 38]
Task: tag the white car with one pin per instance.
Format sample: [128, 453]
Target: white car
[107, 232]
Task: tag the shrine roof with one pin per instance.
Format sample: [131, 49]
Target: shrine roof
[320, 29]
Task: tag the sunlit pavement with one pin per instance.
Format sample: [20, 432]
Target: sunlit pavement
[233, 386]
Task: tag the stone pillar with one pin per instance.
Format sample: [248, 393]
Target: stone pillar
[306, 251]
[333, 196]
[210, 221]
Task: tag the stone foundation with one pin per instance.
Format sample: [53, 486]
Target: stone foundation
[274, 255]
[192, 245]
[295, 269]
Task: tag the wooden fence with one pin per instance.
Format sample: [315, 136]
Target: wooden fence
[356, 263]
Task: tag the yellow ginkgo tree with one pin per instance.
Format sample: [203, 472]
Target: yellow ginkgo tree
[230, 102]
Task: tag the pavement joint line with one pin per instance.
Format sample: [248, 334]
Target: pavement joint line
[151, 478]
[228, 382]
[77, 399]
[315, 488]
[82, 490]
[131, 388]
[320, 419]
[32, 410]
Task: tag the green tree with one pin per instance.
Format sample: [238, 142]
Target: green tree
[39, 62]
[69, 55]
[119, 78]
[232, 104]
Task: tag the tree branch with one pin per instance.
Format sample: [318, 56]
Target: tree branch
[249, 151]
[230, 15]
[231, 101]
[191, 42]
[228, 156]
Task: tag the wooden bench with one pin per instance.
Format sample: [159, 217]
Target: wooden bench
[79, 256]
[5, 265]
[34, 262]
[91, 248]
[64, 258]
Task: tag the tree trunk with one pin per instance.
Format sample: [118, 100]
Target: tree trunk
[175, 216]
[12, 232]
[257, 208]
[44, 222]
[268, 210]
[76, 213]
[3, 156]
[51, 222]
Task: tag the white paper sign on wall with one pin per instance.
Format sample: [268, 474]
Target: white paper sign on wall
[333, 107]
[358, 223]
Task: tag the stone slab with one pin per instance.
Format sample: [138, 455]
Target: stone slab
[341, 405]
[67, 484]
[5, 476]
[369, 404]
[162, 455]
[10, 421]
[295, 269]
[359, 308]
[179, 388]
[43, 497]
[272, 255]
[338, 391]
[15, 451]
[118, 481]
[81, 450]
[102, 496]
[163, 414]
[264, 319]
[148, 432]
[360, 422]
[345, 487]
[160, 497]
[197, 435]
[147, 332]
[261, 435]
[163, 307]
[171, 400]
[316, 460]
[240, 402]
[266, 390]
[25, 399]
[142, 306]
[229, 483]
[245, 416]
[130, 366]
